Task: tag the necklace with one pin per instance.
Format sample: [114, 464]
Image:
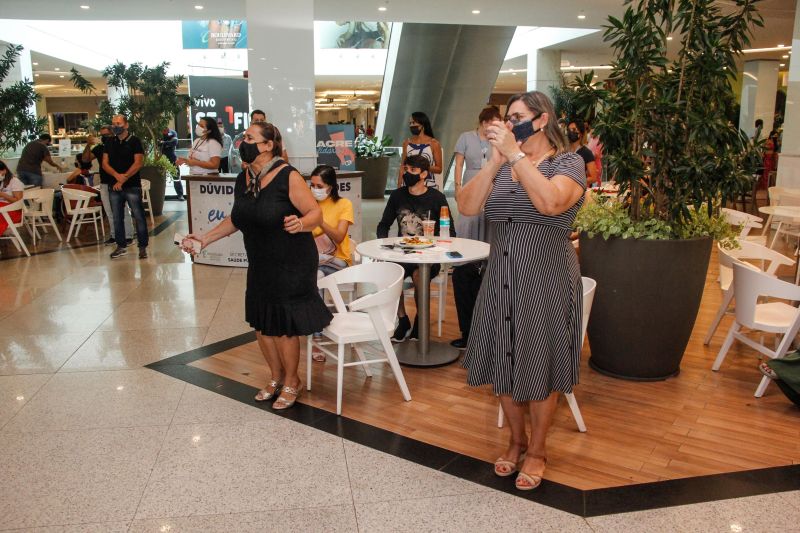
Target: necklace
[537, 162]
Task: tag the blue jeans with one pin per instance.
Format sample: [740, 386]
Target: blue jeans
[133, 197]
[30, 178]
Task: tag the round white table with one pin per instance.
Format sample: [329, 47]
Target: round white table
[791, 212]
[425, 353]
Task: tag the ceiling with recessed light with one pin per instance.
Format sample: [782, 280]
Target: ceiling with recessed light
[587, 50]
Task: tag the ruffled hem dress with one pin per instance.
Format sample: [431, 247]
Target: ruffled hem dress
[282, 297]
[526, 328]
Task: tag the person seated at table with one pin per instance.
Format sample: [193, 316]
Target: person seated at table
[11, 189]
[333, 242]
[409, 206]
[82, 173]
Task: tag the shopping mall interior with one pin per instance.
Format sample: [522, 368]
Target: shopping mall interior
[127, 381]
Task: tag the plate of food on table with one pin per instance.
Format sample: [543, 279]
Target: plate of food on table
[415, 243]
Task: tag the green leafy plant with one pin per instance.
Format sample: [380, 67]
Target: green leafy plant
[150, 98]
[610, 218]
[370, 147]
[17, 123]
[663, 119]
[162, 163]
[577, 98]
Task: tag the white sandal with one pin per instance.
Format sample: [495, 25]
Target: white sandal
[282, 403]
[264, 395]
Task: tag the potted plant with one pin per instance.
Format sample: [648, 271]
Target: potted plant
[375, 166]
[150, 99]
[668, 143]
[17, 123]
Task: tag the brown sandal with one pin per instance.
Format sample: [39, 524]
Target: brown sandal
[282, 403]
[532, 480]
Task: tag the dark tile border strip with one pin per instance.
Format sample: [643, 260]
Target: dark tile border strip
[585, 503]
[167, 222]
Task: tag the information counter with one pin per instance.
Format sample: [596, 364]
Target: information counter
[211, 200]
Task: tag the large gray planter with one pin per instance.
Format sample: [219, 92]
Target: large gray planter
[376, 171]
[648, 295]
[158, 186]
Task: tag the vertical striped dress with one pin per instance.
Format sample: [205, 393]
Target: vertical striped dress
[526, 328]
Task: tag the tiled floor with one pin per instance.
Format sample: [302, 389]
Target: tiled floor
[91, 441]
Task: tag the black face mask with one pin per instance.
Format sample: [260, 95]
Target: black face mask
[524, 130]
[410, 179]
[573, 136]
[249, 152]
[106, 138]
[415, 130]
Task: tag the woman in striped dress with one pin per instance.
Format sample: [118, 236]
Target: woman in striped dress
[526, 331]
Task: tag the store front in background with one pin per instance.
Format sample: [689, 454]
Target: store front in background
[211, 200]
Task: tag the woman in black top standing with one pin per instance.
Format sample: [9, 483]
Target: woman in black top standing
[576, 135]
[276, 212]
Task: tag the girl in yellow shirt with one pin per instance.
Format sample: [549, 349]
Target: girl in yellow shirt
[333, 242]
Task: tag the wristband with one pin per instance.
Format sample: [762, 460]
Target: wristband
[514, 160]
[301, 224]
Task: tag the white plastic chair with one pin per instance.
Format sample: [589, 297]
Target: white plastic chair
[746, 222]
[786, 227]
[748, 251]
[589, 286]
[82, 213]
[13, 233]
[367, 319]
[779, 318]
[39, 212]
[146, 200]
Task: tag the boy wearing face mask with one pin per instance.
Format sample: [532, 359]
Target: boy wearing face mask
[409, 206]
[576, 131]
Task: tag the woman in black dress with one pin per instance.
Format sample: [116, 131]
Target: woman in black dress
[276, 212]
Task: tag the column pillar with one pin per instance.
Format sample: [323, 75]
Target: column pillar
[789, 159]
[280, 62]
[544, 69]
[759, 85]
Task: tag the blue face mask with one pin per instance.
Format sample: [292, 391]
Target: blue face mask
[118, 130]
[524, 130]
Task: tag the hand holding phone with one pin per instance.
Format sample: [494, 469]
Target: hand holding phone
[187, 244]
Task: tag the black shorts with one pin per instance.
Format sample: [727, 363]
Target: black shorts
[410, 268]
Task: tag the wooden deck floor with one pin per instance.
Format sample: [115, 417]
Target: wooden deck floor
[700, 422]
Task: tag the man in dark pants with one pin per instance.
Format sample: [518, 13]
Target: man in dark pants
[122, 158]
[29, 167]
[169, 143]
[467, 281]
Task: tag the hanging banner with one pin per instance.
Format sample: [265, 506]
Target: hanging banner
[352, 34]
[214, 34]
[336, 146]
[220, 98]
